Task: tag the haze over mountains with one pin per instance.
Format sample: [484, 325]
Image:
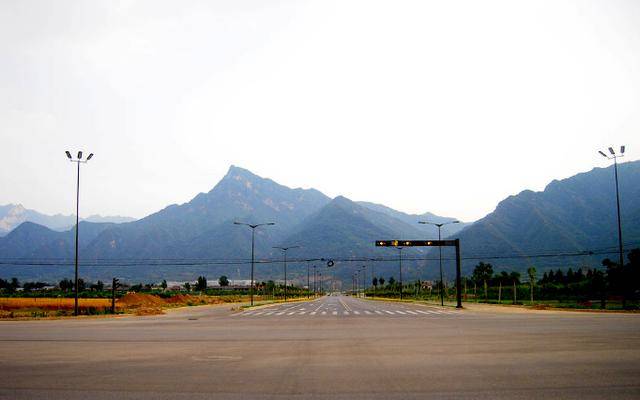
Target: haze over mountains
[573, 214]
[12, 215]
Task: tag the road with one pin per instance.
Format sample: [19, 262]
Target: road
[335, 347]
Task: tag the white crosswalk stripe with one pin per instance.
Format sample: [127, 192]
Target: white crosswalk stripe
[317, 312]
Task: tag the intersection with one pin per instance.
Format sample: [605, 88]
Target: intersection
[366, 350]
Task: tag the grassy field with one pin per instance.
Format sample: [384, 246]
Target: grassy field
[11, 307]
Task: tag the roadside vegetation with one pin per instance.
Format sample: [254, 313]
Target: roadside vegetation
[40, 299]
[614, 287]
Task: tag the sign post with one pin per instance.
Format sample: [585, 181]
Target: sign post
[432, 243]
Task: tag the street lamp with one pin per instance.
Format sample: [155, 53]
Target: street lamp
[284, 252]
[440, 225]
[364, 280]
[615, 157]
[78, 161]
[253, 241]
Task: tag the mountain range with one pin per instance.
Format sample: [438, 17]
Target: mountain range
[199, 237]
[12, 215]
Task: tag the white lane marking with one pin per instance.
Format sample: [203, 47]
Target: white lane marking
[412, 312]
[302, 312]
[291, 313]
[324, 313]
[426, 312]
[356, 312]
[280, 313]
[367, 312]
[388, 312]
[378, 312]
[258, 313]
[346, 312]
[312, 313]
[270, 313]
[400, 312]
[335, 313]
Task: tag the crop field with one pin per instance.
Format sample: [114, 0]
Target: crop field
[47, 306]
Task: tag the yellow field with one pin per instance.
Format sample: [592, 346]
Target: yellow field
[47, 303]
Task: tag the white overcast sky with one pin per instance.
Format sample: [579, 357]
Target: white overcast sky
[441, 106]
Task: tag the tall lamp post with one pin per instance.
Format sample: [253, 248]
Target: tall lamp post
[78, 161]
[284, 252]
[440, 225]
[364, 280]
[615, 157]
[253, 245]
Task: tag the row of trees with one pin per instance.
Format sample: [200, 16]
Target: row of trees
[615, 280]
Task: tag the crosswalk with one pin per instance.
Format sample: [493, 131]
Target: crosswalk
[310, 313]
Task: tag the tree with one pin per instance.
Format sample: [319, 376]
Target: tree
[187, 286]
[81, 285]
[224, 281]
[381, 281]
[163, 285]
[392, 282]
[374, 282]
[531, 271]
[201, 283]
[482, 273]
[98, 286]
[65, 284]
[14, 284]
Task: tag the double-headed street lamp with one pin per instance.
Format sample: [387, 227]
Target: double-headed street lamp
[284, 252]
[78, 161]
[440, 225]
[613, 156]
[253, 241]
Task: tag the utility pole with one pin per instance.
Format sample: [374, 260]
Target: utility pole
[114, 285]
[284, 251]
[308, 283]
[400, 259]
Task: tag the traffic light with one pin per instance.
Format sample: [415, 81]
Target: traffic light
[414, 243]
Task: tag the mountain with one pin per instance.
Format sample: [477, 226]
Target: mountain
[204, 227]
[199, 237]
[30, 240]
[344, 228]
[570, 215]
[429, 231]
[12, 215]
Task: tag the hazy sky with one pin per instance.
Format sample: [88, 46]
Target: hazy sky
[446, 106]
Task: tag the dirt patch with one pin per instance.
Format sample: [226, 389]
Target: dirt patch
[138, 300]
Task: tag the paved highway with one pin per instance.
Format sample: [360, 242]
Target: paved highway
[332, 348]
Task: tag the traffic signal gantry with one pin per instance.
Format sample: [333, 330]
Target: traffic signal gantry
[431, 243]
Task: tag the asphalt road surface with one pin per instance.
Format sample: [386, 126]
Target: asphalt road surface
[335, 347]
